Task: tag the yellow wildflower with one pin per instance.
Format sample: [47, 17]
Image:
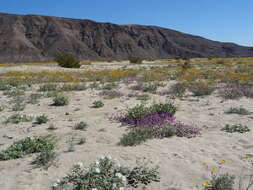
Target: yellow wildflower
[247, 156]
[221, 161]
[203, 163]
[213, 169]
[205, 185]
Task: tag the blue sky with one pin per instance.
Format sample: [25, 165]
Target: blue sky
[222, 20]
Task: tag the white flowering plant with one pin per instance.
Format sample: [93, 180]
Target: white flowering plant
[104, 174]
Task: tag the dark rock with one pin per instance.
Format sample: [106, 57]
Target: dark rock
[39, 38]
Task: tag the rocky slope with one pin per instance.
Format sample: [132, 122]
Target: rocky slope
[39, 38]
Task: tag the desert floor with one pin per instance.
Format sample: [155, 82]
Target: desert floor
[184, 163]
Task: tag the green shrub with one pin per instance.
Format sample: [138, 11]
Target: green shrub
[106, 174]
[82, 141]
[45, 159]
[48, 87]
[135, 60]
[201, 89]
[140, 110]
[81, 126]
[18, 118]
[27, 146]
[221, 182]
[178, 90]
[97, 104]
[34, 98]
[237, 128]
[135, 137]
[18, 106]
[67, 60]
[239, 111]
[41, 119]
[60, 100]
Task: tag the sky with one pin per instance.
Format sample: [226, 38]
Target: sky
[221, 20]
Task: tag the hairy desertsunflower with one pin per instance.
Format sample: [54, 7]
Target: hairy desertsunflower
[213, 169]
[205, 185]
[221, 161]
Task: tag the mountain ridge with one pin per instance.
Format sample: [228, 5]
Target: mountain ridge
[28, 38]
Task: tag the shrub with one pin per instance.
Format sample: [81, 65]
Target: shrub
[66, 60]
[48, 87]
[27, 146]
[33, 99]
[82, 141]
[135, 137]
[135, 60]
[18, 118]
[60, 100]
[231, 92]
[97, 104]
[178, 90]
[239, 111]
[18, 106]
[201, 89]
[81, 126]
[41, 119]
[106, 174]
[45, 159]
[237, 128]
[221, 182]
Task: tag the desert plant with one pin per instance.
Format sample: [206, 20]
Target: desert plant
[97, 104]
[135, 60]
[135, 137]
[221, 182]
[45, 159]
[178, 90]
[239, 111]
[106, 174]
[48, 87]
[34, 98]
[231, 92]
[60, 100]
[80, 126]
[18, 118]
[236, 128]
[200, 89]
[41, 119]
[81, 141]
[18, 106]
[27, 146]
[67, 60]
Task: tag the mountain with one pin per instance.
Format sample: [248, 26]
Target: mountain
[25, 38]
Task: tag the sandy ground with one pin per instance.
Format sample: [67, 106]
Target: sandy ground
[180, 159]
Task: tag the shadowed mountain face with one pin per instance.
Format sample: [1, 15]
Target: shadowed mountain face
[39, 38]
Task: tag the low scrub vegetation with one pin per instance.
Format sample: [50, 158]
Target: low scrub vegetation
[67, 60]
[106, 174]
[236, 128]
[28, 146]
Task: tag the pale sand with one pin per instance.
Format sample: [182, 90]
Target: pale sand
[179, 159]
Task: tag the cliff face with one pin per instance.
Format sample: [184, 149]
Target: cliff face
[39, 38]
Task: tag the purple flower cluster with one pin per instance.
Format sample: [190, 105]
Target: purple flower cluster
[164, 92]
[161, 125]
[148, 121]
